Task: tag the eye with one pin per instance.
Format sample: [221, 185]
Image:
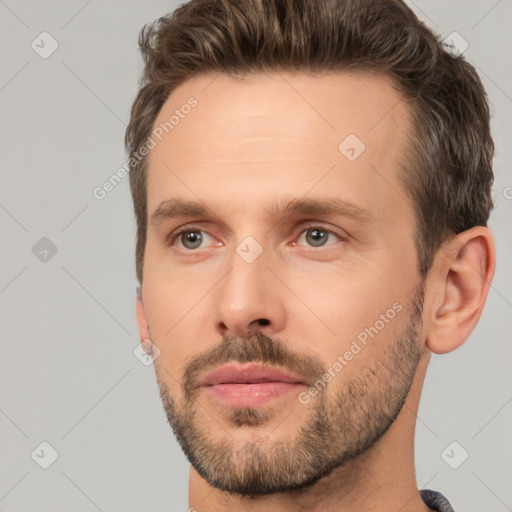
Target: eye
[190, 238]
[317, 236]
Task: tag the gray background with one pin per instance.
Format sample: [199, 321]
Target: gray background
[68, 375]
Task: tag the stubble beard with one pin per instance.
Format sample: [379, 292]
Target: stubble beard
[341, 426]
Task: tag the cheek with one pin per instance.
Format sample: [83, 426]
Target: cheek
[169, 308]
[347, 305]
[170, 290]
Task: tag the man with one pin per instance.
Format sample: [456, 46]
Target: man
[311, 183]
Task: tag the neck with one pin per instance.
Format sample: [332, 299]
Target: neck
[382, 479]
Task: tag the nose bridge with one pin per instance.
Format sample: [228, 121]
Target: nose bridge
[246, 295]
[245, 283]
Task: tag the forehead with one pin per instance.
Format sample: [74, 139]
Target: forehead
[278, 130]
[322, 108]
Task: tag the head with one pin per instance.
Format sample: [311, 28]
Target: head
[311, 184]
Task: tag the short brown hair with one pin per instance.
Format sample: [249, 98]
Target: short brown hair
[447, 166]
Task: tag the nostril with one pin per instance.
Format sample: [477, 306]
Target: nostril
[263, 321]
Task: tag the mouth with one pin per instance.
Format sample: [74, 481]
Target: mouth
[250, 384]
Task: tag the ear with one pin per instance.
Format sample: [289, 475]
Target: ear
[464, 268]
[141, 316]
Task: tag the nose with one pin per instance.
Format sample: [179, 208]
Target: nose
[250, 299]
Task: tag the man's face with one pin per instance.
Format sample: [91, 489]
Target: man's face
[265, 279]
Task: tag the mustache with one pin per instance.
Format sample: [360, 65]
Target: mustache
[257, 348]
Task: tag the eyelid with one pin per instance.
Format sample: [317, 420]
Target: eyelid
[324, 227]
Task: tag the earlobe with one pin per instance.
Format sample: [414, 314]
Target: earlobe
[464, 270]
[141, 317]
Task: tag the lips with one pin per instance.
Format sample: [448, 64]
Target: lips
[249, 373]
[250, 384]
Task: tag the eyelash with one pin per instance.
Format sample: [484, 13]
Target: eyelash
[175, 234]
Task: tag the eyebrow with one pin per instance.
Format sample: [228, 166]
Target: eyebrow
[172, 208]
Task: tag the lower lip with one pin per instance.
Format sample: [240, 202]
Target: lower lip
[251, 395]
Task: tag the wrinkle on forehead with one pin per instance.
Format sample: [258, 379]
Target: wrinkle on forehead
[264, 118]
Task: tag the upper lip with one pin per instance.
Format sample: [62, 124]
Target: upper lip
[248, 373]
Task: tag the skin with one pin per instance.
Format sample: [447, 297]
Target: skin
[248, 144]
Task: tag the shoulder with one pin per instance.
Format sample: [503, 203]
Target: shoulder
[436, 501]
